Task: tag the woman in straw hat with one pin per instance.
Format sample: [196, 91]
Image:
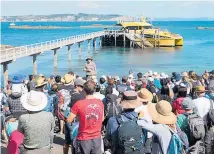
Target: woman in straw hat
[36, 125]
[161, 114]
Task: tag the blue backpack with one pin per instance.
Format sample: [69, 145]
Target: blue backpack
[50, 105]
[176, 145]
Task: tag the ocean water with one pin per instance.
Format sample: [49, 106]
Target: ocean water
[197, 53]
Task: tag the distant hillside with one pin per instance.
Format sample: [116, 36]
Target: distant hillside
[62, 17]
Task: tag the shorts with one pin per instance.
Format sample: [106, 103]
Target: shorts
[89, 146]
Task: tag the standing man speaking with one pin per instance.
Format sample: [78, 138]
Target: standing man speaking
[90, 68]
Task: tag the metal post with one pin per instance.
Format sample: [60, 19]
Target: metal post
[55, 58]
[5, 69]
[34, 64]
[115, 37]
[69, 53]
[100, 41]
[79, 46]
[124, 39]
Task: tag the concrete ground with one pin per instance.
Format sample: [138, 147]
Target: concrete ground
[58, 145]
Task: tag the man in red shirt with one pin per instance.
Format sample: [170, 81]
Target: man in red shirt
[90, 112]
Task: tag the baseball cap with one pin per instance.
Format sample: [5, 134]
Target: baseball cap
[79, 82]
[187, 104]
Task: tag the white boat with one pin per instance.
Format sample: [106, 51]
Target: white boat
[12, 24]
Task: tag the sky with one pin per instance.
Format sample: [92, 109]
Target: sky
[152, 8]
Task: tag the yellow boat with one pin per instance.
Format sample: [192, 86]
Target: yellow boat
[150, 35]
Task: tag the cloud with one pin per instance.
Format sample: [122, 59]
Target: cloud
[91, 5]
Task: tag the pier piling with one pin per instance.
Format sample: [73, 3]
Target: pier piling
[69, 52]
[89, 44]
[115, 38]
[124, 39]
[35, 64]
[79, 47]
[55, 58]
[94, 42]
[5, 70]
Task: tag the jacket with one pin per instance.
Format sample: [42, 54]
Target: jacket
[162, 134]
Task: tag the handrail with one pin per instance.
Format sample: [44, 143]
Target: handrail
[31, 49]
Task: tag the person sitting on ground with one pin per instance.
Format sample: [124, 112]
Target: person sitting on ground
[97, 93]
[129, 103]
[176, 105]
[164, 125]
[31, 83]
[91, 114]
[37, 126]
[76, 95]
[201, 103]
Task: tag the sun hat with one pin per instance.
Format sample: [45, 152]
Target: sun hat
[40, 82]
[41, 75]
[103, 76]
[162, 75]
[34, 101]
[161, 112]
[17, 79]
[150, 79]
[145, 95]
[89, 58]
[150, 73]
[187, 104]
[131, 76]
[184, 74]
[68, 78]
[200, 89]
[79, 82]
[117, 78]
[130, 100]
[16, 89]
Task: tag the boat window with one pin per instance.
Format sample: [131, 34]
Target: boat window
[147, 27]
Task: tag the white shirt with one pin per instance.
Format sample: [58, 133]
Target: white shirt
[146, 116]
[99, 96]
[203, 106]
[115, 92]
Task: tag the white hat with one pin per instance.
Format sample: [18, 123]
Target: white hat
[16, 88]
[162, 75]
[131, 76]
[150, 79]
[150, 73]
[34, 101]
[184, 74]
[103, 76]
[155, 73]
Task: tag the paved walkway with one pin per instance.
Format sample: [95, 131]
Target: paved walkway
[58, 145]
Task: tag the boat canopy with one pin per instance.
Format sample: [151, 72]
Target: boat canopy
[130, 24]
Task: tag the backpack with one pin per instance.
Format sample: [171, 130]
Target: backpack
[183, 138]
[131, 138]
[209, 141]
[50, 105]
[198, 148]
[176, 145]
[196, 127]
[112, 108]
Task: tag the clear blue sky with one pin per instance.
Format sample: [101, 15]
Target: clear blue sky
[162, 9]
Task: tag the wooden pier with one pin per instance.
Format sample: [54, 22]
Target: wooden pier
[107, 38]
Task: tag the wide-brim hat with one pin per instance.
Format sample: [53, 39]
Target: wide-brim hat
[17, 79]
[68, 78]
[131, 100]
[40, 82]
[161, 112]
[89, 58]
[145, 95]
[200, 89]
[34, 101]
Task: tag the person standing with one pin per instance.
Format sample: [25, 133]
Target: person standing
[90, 112]
[36, 125]
[90, 68]
[31, 83]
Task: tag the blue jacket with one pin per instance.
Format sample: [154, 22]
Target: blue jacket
[112, 127]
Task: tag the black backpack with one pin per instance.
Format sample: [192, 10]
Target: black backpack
[131, 137]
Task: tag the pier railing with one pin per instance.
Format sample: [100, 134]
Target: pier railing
[27, 50]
